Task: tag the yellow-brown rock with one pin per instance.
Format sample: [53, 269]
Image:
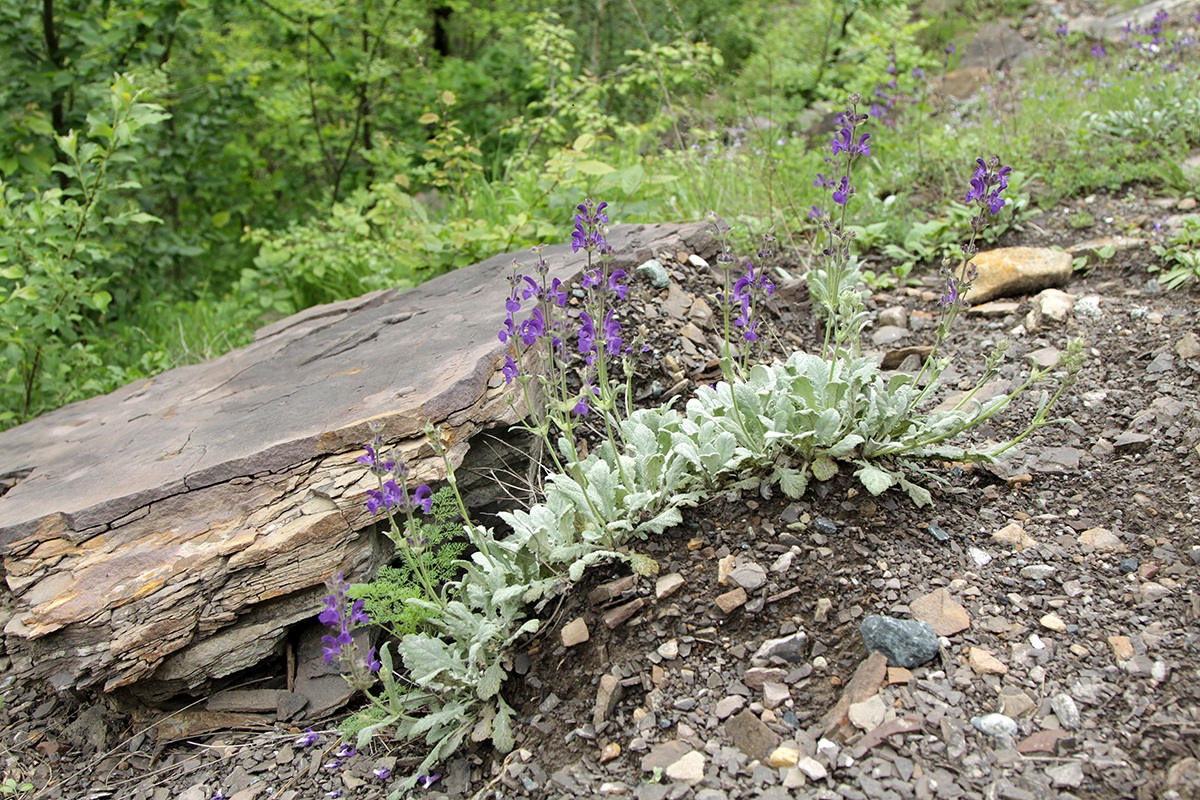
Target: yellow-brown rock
[1017, 271]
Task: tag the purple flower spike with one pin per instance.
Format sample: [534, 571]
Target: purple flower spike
[423, 498]
[842, 193]
[510, 369]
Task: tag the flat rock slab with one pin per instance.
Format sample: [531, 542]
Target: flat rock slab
[173, 531]
[1015, 271]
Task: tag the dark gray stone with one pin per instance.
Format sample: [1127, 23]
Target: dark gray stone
[906, 643]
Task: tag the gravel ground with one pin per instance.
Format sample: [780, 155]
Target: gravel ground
[1063, 584]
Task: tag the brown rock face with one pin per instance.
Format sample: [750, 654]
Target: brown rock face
[172, 532]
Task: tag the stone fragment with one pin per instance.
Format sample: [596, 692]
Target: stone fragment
[677, 302]
[654, 272]
[1053, 622]
[896, 357]
[1066, 711]
[824, 606]
[1188, 346]
[981, 557]
[669, 649]
[898, 675]
[732, 600]
[688, 769]
[888, 334]
[616, 617]
[1042, 741]
[1132, 442]
[905, 643]
[1066, 776]
[896, 316]
[665, 754]
[868, 714]
[749, 734]
[775, 694]
[813, 769]
[1014, 535]
[995, 308]
[728, 706]
[1014, 703]
[608, 694]
[750, 576]
[1043, 357]
[995, 725]
[1038, 572]
[606, 593]
[865, 683]
[755, 677]
[1050, 305]
[941, 612]
[983, 662]
[574, 632]
[1103, 540]
[788, 648]
[784, 756]
[724, 567]
[1122, 647]
[611, 750]
[1013, 271]
[667, 585]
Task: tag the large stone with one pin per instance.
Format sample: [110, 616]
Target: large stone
[176, 530]
[995, 47]
[906, 643]
[1014, 271]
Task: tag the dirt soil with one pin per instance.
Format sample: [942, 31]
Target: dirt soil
[1093, 638]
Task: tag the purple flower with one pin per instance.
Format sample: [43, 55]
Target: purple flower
[1061, 30]
[951, 295]
[383, 773]
[371, 460]
[987, 183]
[373, 663]
[587, 234]
[1098, 51]
[587, 335]
[843, 192]
[918, 73]
[816, 213]
[821, 181]
[592, 278]
[950, 49]
[423, 498]
[425, 781]
[843, 142]
[612, 334]
[309, 738]
[614, 284]
[510, 369]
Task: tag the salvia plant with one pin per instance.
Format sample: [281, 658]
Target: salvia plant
[764, 425]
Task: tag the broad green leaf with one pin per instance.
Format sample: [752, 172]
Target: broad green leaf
[824, 468]
[593, 167]
[876, 481]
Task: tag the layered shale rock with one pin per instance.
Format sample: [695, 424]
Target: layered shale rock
[174, 532]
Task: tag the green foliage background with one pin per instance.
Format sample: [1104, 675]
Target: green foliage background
[282, 153]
